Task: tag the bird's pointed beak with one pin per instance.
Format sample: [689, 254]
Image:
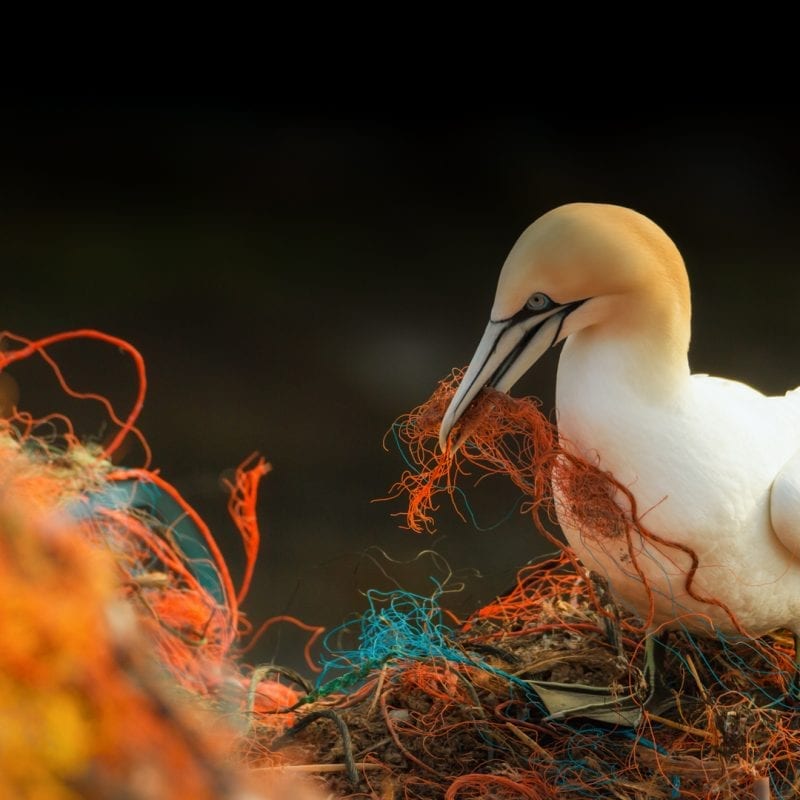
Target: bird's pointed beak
[508, 349]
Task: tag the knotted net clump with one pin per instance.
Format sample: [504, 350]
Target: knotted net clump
[120, 673]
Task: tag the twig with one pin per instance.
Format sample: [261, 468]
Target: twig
[362, 765]
[679, 726]
[259, 674]
[696, 676]
[344, 732]
[532, 743]
[378, 689]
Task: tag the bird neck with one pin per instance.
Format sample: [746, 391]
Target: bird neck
[641, 349]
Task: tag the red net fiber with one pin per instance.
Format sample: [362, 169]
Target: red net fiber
[116, 659]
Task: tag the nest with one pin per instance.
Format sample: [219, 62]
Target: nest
[471, 722]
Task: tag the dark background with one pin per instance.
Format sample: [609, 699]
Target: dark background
[296, 280]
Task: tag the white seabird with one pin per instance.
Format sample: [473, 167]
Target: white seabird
[713, 463]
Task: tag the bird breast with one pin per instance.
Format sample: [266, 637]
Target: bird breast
[699, 457]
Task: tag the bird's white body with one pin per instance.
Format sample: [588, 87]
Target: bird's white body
[713, 464]
[701, 462]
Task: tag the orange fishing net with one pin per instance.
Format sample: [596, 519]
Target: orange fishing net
[85, 711]
[117, 649]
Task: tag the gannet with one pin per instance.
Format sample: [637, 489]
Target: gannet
[712, 463]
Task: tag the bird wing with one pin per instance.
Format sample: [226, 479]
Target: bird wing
[784, 504]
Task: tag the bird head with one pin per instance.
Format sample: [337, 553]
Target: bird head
[580, 268]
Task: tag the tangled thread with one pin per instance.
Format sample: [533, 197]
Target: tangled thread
[435, 710]
[119, 670]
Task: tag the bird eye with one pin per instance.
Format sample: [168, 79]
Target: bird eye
[539, 302]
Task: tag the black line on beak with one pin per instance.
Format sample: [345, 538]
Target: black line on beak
[564, 311]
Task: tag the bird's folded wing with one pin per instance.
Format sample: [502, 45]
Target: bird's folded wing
[785, 504]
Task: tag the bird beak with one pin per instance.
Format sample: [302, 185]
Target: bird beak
[508, 349]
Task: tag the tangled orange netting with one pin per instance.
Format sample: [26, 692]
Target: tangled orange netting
[118, 670]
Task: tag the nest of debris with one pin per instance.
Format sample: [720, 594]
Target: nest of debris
[119, 673]
[486, 718]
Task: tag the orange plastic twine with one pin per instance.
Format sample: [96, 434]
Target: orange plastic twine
[29, 347]
[116, 654]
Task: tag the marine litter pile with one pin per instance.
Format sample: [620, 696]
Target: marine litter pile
[120, 619]
[121, 673]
